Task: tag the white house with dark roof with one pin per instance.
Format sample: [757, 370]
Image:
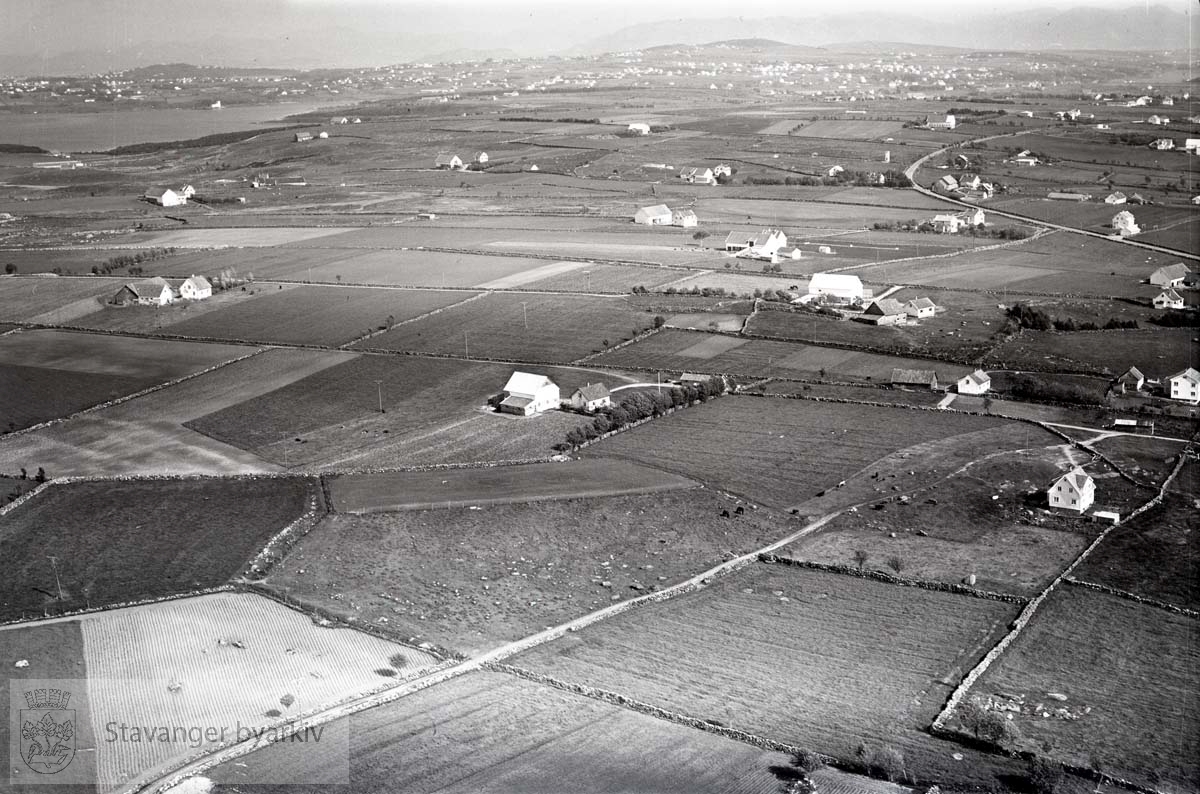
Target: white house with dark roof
[481, 157]
[698, 175]
[657, 215]
[1075, 490]
[1185, 386]
[165, 197]
[527, 394]
[448, 161]
[590, 398]
[195, 288]
[978, 382]
[1168, 299]
[1170, 275]
[147, 292]
[920, 308]
[885, 311]
[947, 223]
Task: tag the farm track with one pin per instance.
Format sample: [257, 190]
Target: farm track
[911, 172]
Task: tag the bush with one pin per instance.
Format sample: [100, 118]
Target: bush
[885, 762]
[808, 761]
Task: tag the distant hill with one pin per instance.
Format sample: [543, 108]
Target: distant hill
[1133, 28]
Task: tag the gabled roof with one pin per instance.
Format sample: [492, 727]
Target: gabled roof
[683, 214]
[513, 401]
[526, 383]
[157, 192]
[1076, 478]
[1169, 294]
[978, 377]
[446, 159]
[199, 282]
[148, 287]
[657, 209]
[1133, 373]
[1171, 272]
[592, 391]
[945, 218]
[921, 376]
[739, 238]
[1188, 374]
[764, 236]
[922, 303]
[885, 307]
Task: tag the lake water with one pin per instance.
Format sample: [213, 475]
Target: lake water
[84, 132]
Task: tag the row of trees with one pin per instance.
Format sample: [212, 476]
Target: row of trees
[130, 261]
[639, 405]
[1022, 315]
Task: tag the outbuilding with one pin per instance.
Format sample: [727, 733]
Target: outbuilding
[914, 379]
[590, 398]
[1170, 275]
[656, 215]
[527, 394]
[165, 197]
[836, 285]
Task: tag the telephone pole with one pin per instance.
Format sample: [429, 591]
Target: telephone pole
[525, 314]
[57, 581]
[379, 389]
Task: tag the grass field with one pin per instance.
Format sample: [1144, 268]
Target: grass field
[259, 236]
[683, 351]
[411, 490]
[841, 130]
[820, 660]
[118, 542]
[1157, 352]
[1164, 544]
[984, 520]
[235, 657]
[473, 577]
[1110, 655]
[534, 327]
[35, 394]
[1148, 459]
[507, 734]
[315, 315]
[22, 299]
[435, 412]
[766, 448]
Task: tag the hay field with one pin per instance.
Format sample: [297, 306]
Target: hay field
[22, 299]
[149, 360]
[848, 129]
[507, 734]
[1157, 352]
[134, 655]
[1109, 655]
[821, 660]
[258, 236]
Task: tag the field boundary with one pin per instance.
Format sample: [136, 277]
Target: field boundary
[74, 613]
[902, 581]
[649, 332]
[25, 497]
[432, 312]
[1152, 602]
[282, 541]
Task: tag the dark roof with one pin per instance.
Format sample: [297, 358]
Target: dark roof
[921, 376]
[885, 307]
[592, 391]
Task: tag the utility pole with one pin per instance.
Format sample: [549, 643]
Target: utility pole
[466, 346]
[57, 581]
[379, 389]
[525, 314]
[588, 275]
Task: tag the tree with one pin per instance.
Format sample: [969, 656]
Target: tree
[896, 564]
[659, 321]
[700, 235]
[10, 268]
[808, 760]
[886, 762]
[41, 475]
[1045, 777]
[860, 558]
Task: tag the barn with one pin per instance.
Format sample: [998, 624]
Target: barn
[527, 394]
[657, 215]
[836, 285]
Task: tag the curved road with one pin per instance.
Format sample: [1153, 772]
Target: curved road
[911, 171]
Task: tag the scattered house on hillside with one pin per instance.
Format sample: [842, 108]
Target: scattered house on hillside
[1185, 385]
[946, 223]
[339, 120]
[1131, 379]
[836, 285]
[978, 382]
[451, 162]
[945, 184]
[639, 128]
[948, 122]
[1075, 490]
[1067, 195]
[698, 175]
[1158, 120]
[356, 120]
[722, 170]
[834, 170]
[885, 311]
[1191, 145]
[323, 135]
[147, 292]
[657, 215]
[1123, 224]
[1103, 126]
[914, 379]
[1138, 198]
[692, 378]
[165, 197]
[195, 288]
[1025, 160]
[215, 105]
[960, 160]
[480, 157]
[972, 217]
[1170, 275]
[1116, 197]
[301, 137]
[527, 394]
[187, 191]
[969, 180]
[685, 218]
[789, 252]
[1168, 299]
[1162, 144]
[920, 308]
[590, 398]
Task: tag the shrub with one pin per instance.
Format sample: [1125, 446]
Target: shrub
[886, 762]
[808, 761]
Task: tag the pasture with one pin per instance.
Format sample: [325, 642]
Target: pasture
[123, 541]
[765, 448]
[819, 660]
[848, 129]
[673, 350]
[474, 577]
[225, 660]
[255, 237]
[315, 315]
[435, 411]
[509, 734]
[519, 327]
[23, 299]
[29, 395]
[1157, 352]
[1163, 541]
[1135, 701]
[414, 490]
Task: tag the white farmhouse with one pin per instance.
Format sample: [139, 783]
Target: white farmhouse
[165, 197]
[590, 398]
[1191, 145]
[699, 175]
[920, 308]
[657, 215]
[147, 292]
[195, 288]
[1075, 490]
[947, 223]
[448, 161]
[978, 382]
[1116, 197]
[836, 285]
[685, 218]
[1124, 224]
[1185, 385]
[481, 157]
[527, 394]
[1168, 299]
[640, 128]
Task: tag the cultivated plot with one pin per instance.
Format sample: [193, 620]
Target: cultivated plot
[50, 299]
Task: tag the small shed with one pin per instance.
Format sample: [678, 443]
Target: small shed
[914, 379]
[590, 398]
